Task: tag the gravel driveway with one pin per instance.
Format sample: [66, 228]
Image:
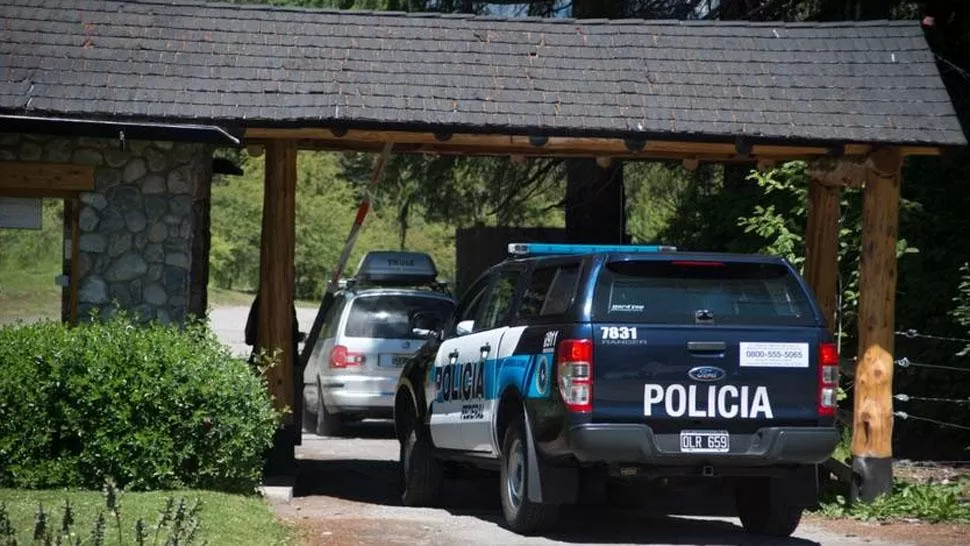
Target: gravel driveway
[346, 493]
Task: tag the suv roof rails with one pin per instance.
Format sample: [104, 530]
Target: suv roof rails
[520, 250]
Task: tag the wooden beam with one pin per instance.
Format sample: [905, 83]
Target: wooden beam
[511, 152]
[276, 291]
[848, 172]
[499, 144]
[873, 410]
[45, 176]
[822, 247]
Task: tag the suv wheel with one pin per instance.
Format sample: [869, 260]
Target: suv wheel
[420, 471]
[328, 424]
[521, 515]
[763, 513]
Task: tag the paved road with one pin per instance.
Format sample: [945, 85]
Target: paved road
[347, 493]
[229, 323]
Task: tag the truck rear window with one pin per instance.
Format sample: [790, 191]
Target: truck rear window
[693, 292]
[389, 316]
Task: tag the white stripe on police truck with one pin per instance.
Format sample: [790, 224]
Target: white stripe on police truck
[723, 401]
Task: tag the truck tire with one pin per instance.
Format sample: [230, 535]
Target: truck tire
[328, 424]
[420, 471]
[521, 515]
[763, 513]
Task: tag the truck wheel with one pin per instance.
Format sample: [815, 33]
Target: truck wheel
[766, 514]
[521, 515]
[328, 424]
[420, 471]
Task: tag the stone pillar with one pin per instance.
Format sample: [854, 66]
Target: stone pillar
[144, 230]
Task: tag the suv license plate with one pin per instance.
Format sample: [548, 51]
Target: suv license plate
[393, 361]
[705, 441]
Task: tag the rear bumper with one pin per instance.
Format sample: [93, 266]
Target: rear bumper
[354, 393]
[637, 444]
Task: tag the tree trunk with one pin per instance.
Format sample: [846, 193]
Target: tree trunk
[595, 9]
[595, 208]
[595, 204]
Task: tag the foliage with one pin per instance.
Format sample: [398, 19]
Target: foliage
[653, 194]
[113, 516]
[962, 312]
[151, 407]
[932, 502]
[780, 221]
[29, 261]
[417, 205]
[20, 248]
[464, 191]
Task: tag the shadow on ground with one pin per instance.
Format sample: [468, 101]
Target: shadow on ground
[375, 481]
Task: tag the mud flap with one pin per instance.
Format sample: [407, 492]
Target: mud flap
[548, 484]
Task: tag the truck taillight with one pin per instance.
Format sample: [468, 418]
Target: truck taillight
[340, 357]
[828, 378]
[575, 371]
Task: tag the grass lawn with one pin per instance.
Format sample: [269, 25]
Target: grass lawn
[220, 297]
[29, 294]
[224, 519]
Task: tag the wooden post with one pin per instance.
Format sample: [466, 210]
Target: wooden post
[873, 417]
[822, 246]
[275, 326]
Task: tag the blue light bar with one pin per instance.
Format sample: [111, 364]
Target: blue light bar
[549, 249]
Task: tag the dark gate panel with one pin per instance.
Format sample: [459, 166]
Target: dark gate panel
[478, 248]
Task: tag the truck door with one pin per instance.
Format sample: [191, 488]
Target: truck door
[446, 411]
[483, 354]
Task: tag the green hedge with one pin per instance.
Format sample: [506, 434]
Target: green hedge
[151, 407]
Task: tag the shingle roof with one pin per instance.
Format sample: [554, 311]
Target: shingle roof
[249, 66]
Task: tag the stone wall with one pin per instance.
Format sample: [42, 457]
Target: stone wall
[144, 240]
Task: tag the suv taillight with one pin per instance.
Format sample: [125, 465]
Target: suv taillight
[340, 357]
[828, 378]
[575, 371]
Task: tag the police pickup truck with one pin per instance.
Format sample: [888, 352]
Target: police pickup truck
[625, 366]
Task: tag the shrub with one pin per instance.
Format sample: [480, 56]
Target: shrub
[151, 407]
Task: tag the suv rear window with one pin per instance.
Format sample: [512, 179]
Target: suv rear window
[692, 292]
[389, 316]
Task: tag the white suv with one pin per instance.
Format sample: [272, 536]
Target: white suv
[369, 332]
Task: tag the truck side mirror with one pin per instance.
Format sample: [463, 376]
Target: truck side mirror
[465, 327]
